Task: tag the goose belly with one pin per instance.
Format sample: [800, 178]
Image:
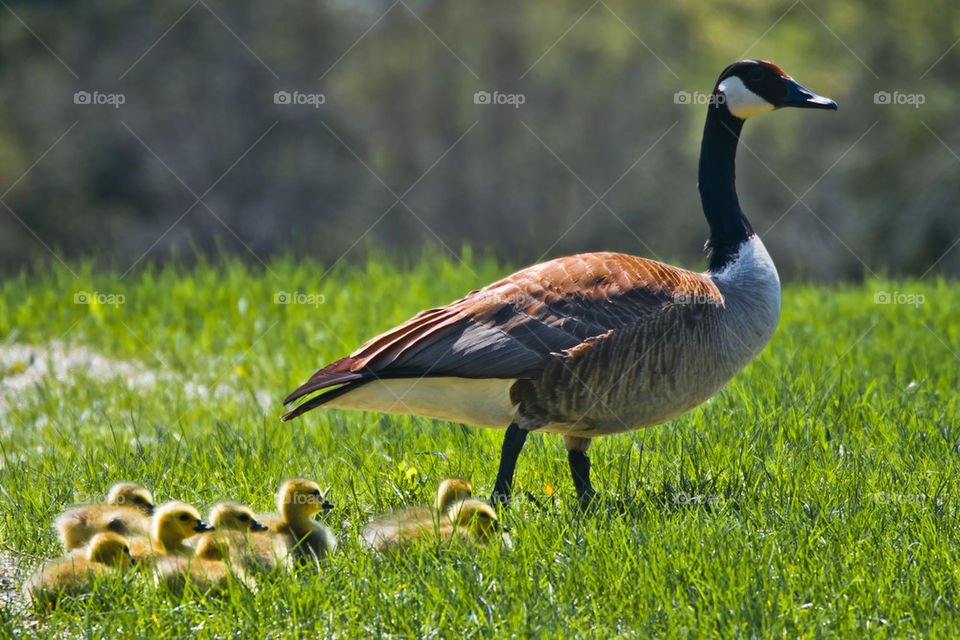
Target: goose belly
[483, 402]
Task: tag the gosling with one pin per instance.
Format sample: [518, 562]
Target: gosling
[171, 525]
[468, 522]
[76, 572]
[127, 511]
[449, 492]
[209, 571]
[297, 501]
[238, 534]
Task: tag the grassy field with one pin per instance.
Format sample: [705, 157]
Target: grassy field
[817, 495]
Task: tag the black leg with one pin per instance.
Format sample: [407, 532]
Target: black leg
[512, 445]
[580, 471]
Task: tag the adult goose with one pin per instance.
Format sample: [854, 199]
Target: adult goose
[590, 344]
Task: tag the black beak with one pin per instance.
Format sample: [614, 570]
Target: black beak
[498, 526]
[326, 505]
[799, 96]
[149, 509]
[202, 526]
[258, 526]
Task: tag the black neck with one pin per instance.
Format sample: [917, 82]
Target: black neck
[718, 193]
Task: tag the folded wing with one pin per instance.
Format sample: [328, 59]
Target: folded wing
[513, 327]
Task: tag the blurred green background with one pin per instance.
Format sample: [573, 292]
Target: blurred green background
[200, 157]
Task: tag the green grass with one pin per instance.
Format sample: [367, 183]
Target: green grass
[816, 495]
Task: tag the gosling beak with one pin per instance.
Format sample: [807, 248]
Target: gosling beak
[202, 527]
[258, 526]
[326, 505]
[800, 96]
[498, 526]
[150, 509]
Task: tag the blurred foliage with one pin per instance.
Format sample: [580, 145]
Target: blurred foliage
[878, 182]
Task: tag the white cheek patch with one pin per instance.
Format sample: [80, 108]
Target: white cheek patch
[742, 102]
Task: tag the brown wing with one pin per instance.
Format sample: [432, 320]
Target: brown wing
[512, 328]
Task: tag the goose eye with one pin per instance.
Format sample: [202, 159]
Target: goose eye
[755, 74]
[184, 517]
[244, 517]
[138, 500]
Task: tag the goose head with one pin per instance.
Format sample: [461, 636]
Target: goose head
[750, 87]
[298, 499]
[235, 517]
[111, 550]
[450, 491]
[130, 494]
[174, 522]
[478, 517]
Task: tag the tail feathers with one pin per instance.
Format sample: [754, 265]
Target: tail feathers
[343, 381]
[321, 399]
[337, 373]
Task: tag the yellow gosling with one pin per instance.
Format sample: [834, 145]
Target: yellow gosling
[467, 522]
[127, 511]
[210, 571]
[239, 535]
[246, 539]
[298, 500]
[76, 573]
[384, 528]
[171, 525]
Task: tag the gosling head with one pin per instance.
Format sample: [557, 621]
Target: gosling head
[111, 550]
[235, 517]
[478, 517]
[450, 491]
[750, 87]
[130, 494]
[301, 498]
[174, 522]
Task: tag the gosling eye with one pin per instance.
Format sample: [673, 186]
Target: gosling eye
[126, 550]
[316, 493]
[138, 500]
[244, 518]
[184, 517]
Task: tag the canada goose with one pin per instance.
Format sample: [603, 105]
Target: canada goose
[172, 523]
[209, 570]
[596, 343]
[384, 528]
[75, 572]
[297, 501]
[127, 511]
[467, 521]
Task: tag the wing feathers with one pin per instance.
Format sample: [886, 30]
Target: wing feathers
[513, 327]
